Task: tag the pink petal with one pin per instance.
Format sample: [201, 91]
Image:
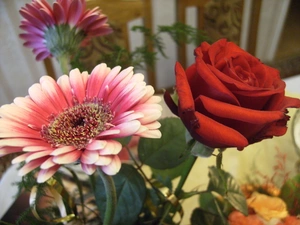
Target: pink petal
[114, 167]
[32, 29]
[29, 105]
[9, 150]
[37, 155]
[78, 85]
[48, 163]
[133, 116]
[108, 79]
[9, 129]
[37, 148]
[32, 19]
[150, 134]
[89, 157]
[46, 174]
[53, 91]
[20, 158]
[85, 22]
[111, 131]
[112, 148]
[24, 117]
[96, 145]
[59, 13]
[65, 86]
[32, 37]
[41, 99]
[28, 167]
[63, 150]
[127, 128]
[103, 160]
[88, 169]
[42, 56]
[67, 158]
[96, 79]
[75, 12]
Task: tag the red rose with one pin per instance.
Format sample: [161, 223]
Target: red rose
[228, 98]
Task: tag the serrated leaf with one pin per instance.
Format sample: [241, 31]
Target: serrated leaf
[131, 193]
[167, 152]
[290, 194]
[225, 185]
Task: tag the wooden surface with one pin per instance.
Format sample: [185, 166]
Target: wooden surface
[181, 17]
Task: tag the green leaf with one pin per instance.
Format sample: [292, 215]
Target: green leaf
[290, 194]
[208, 203]
[197, 149]
[201, 217]
[225, 185]
[166, 176]
[167, 152]
[131, 192]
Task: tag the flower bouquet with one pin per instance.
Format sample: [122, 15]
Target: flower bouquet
[92, 148]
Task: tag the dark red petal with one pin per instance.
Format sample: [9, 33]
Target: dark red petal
[211, 133]
[183, 89]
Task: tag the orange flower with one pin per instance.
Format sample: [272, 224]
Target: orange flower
[267, 207]
[237, 218]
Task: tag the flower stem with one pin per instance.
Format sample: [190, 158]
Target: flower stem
[190, 163]
[220, 158]
[111, 197]
[64, 62]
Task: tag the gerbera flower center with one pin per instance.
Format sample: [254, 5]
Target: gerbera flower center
[76, 126]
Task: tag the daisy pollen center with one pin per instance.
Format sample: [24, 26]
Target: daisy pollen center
[77, 125]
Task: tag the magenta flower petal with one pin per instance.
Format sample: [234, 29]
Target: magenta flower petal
[67, 20]
[75, 120]
[74, 13]
[59, 14]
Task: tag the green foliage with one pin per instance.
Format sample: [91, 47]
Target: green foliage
[197, 148]
[167, 152]
[166, 176]
[143, 56]
[225, 185]
[184, 34]
[290, 194]
[131, 194]
[201, 217]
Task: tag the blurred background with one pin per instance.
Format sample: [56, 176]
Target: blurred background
[269, 29]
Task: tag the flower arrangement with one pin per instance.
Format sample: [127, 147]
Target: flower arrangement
[93, 149]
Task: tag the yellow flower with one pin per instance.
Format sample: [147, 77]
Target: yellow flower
[267, 207]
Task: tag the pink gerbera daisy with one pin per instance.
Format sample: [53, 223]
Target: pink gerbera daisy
[61, 29]
[76, 120]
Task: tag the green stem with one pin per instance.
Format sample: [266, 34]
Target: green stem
[64, 62]
[183, 178]
[220, 158]
[111, 197]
